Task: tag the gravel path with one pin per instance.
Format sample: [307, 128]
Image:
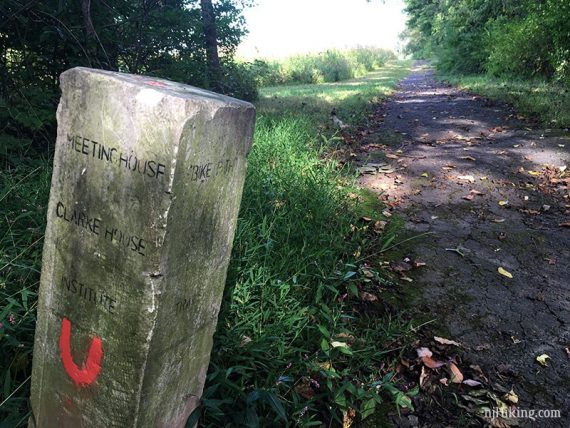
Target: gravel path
[490, 191]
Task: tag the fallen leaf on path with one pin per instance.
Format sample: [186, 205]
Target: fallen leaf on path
[471, 158]
[567, 351]
[424, 352]
[472, 194]
[425, 174]
[551, 260]
[534, 173]
[418, 263]
[423, 377]
[561, 146]
[498, 220]
[444, 341]
[469, 178]
[431, 363]
[511, 397]
[471, 382]
[391, 156]
[542, 360]
[457, 376]
[567, 224]
[505, 272]
[503, 203]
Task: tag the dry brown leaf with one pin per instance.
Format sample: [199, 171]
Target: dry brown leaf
[511, 397]
[469, 178]
[471, 158]
[567, 224]
[444, 341]
[457, 376]
[431, 363]
[419, 263]
[424, 352]
[423, 377]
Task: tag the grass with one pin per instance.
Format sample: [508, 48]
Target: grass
[295, 344]
[549, 102]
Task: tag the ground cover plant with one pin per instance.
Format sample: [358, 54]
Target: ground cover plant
[294, 345]
[292, 348]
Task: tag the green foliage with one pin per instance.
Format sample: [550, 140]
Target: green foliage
[23, 203]
[39, 40]
[328, 66]
[293, 347]
[537, 44]
[506, 38]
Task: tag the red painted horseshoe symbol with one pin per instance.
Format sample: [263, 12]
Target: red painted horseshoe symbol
[88, 372]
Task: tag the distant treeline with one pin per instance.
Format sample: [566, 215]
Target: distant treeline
[329, 66]
[518, 38]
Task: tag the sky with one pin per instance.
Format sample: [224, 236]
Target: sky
[278, 28]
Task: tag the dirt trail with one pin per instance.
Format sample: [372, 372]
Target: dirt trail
[439, 133]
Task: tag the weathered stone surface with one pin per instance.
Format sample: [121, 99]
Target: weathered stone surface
[145, 193]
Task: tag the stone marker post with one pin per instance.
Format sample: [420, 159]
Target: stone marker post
[146, 187]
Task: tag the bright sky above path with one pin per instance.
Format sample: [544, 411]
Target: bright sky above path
[278, 28]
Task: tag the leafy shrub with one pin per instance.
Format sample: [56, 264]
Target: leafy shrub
[329, 66]
[239, 81]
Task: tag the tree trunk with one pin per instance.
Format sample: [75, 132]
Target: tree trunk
[211, 38]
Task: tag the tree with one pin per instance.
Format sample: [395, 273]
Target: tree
[176, 39]
[211, 39]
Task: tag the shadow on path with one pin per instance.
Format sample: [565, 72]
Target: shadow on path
[446, 146]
